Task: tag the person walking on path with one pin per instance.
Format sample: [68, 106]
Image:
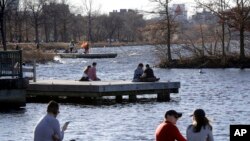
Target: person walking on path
[167, 130]
[200, 130]
[92, 73]
[48, 128]
[71, 46]
[138, 73]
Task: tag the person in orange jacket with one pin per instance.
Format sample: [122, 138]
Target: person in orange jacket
[85, 45]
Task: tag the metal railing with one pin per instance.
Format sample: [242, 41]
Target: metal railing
[11, 63]
[31, 70]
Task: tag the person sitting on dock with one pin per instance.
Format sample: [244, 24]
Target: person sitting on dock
[48, 128]
[138, 73]
[148, 75]
[92, 73]
[85, 76]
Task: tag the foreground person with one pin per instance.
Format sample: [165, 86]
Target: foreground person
[48, 128]
[167, 130]
[200, 130]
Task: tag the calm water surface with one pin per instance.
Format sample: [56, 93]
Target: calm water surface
[223, 93]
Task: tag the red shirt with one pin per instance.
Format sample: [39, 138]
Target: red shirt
[167, 131]
[92, 73]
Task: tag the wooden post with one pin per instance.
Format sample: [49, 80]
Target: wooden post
[20, 64]
[34, 71]
[132, 98]
[163, 96]
[118, 98]
[98, 100]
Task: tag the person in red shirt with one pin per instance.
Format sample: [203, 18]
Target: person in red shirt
[167, 130]
[92, 73]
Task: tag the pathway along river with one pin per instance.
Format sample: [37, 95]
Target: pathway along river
[223, 93]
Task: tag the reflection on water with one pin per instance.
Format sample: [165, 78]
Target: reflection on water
[222, 93]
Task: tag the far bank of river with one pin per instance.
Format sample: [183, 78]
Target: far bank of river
[46, 52]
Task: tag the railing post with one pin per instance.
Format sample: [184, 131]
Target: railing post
[34, 71]
[21, 64]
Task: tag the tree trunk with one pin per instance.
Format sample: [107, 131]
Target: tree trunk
[223, 39]
[2, 28]
[65, 34]
[242, 48]
[168, 33]
[55, 30]
[89, 28]
[26, 31]
[20, 36]
[46, 32]
[36, 31]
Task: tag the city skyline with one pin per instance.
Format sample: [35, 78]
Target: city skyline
[107, 6]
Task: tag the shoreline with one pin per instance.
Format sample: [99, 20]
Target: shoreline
[44, 54]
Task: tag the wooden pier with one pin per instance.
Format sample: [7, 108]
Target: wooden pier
[46, 89]
[91, 55]
[12, 84]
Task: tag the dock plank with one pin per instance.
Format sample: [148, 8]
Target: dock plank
[71, 88]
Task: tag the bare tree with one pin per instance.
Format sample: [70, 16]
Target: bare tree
[233, 13]
[88, 9]
[5, 6]
[36, 7]
[163, 6]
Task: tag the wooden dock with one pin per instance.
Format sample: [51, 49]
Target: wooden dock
[98, 89]
[91, 55]
[13, 93]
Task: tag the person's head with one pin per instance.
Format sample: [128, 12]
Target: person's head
[147, 66]
[140, 65]
[94, 64]
[200, 120]
[172, 116]
[53, 108]
[87, 69]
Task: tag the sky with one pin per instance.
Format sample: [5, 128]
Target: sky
[107, 6]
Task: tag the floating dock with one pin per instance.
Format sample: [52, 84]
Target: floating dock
[91, 55]
[13, 93]
[46, 89]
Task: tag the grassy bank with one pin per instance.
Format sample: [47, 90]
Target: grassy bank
[45, 51]
[31, 53]
[207, 62]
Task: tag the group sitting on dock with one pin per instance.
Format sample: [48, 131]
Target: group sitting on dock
[89, 73]
[146, 75]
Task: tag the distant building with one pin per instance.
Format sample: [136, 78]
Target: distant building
[204, 17]
[123, 12]
[179, 12]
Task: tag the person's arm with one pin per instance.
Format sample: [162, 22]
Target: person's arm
[58, 133]
[189, 132]
[178, 135]
[210, 136]
[95, 77]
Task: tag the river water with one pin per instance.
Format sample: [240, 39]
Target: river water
[223, 93]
